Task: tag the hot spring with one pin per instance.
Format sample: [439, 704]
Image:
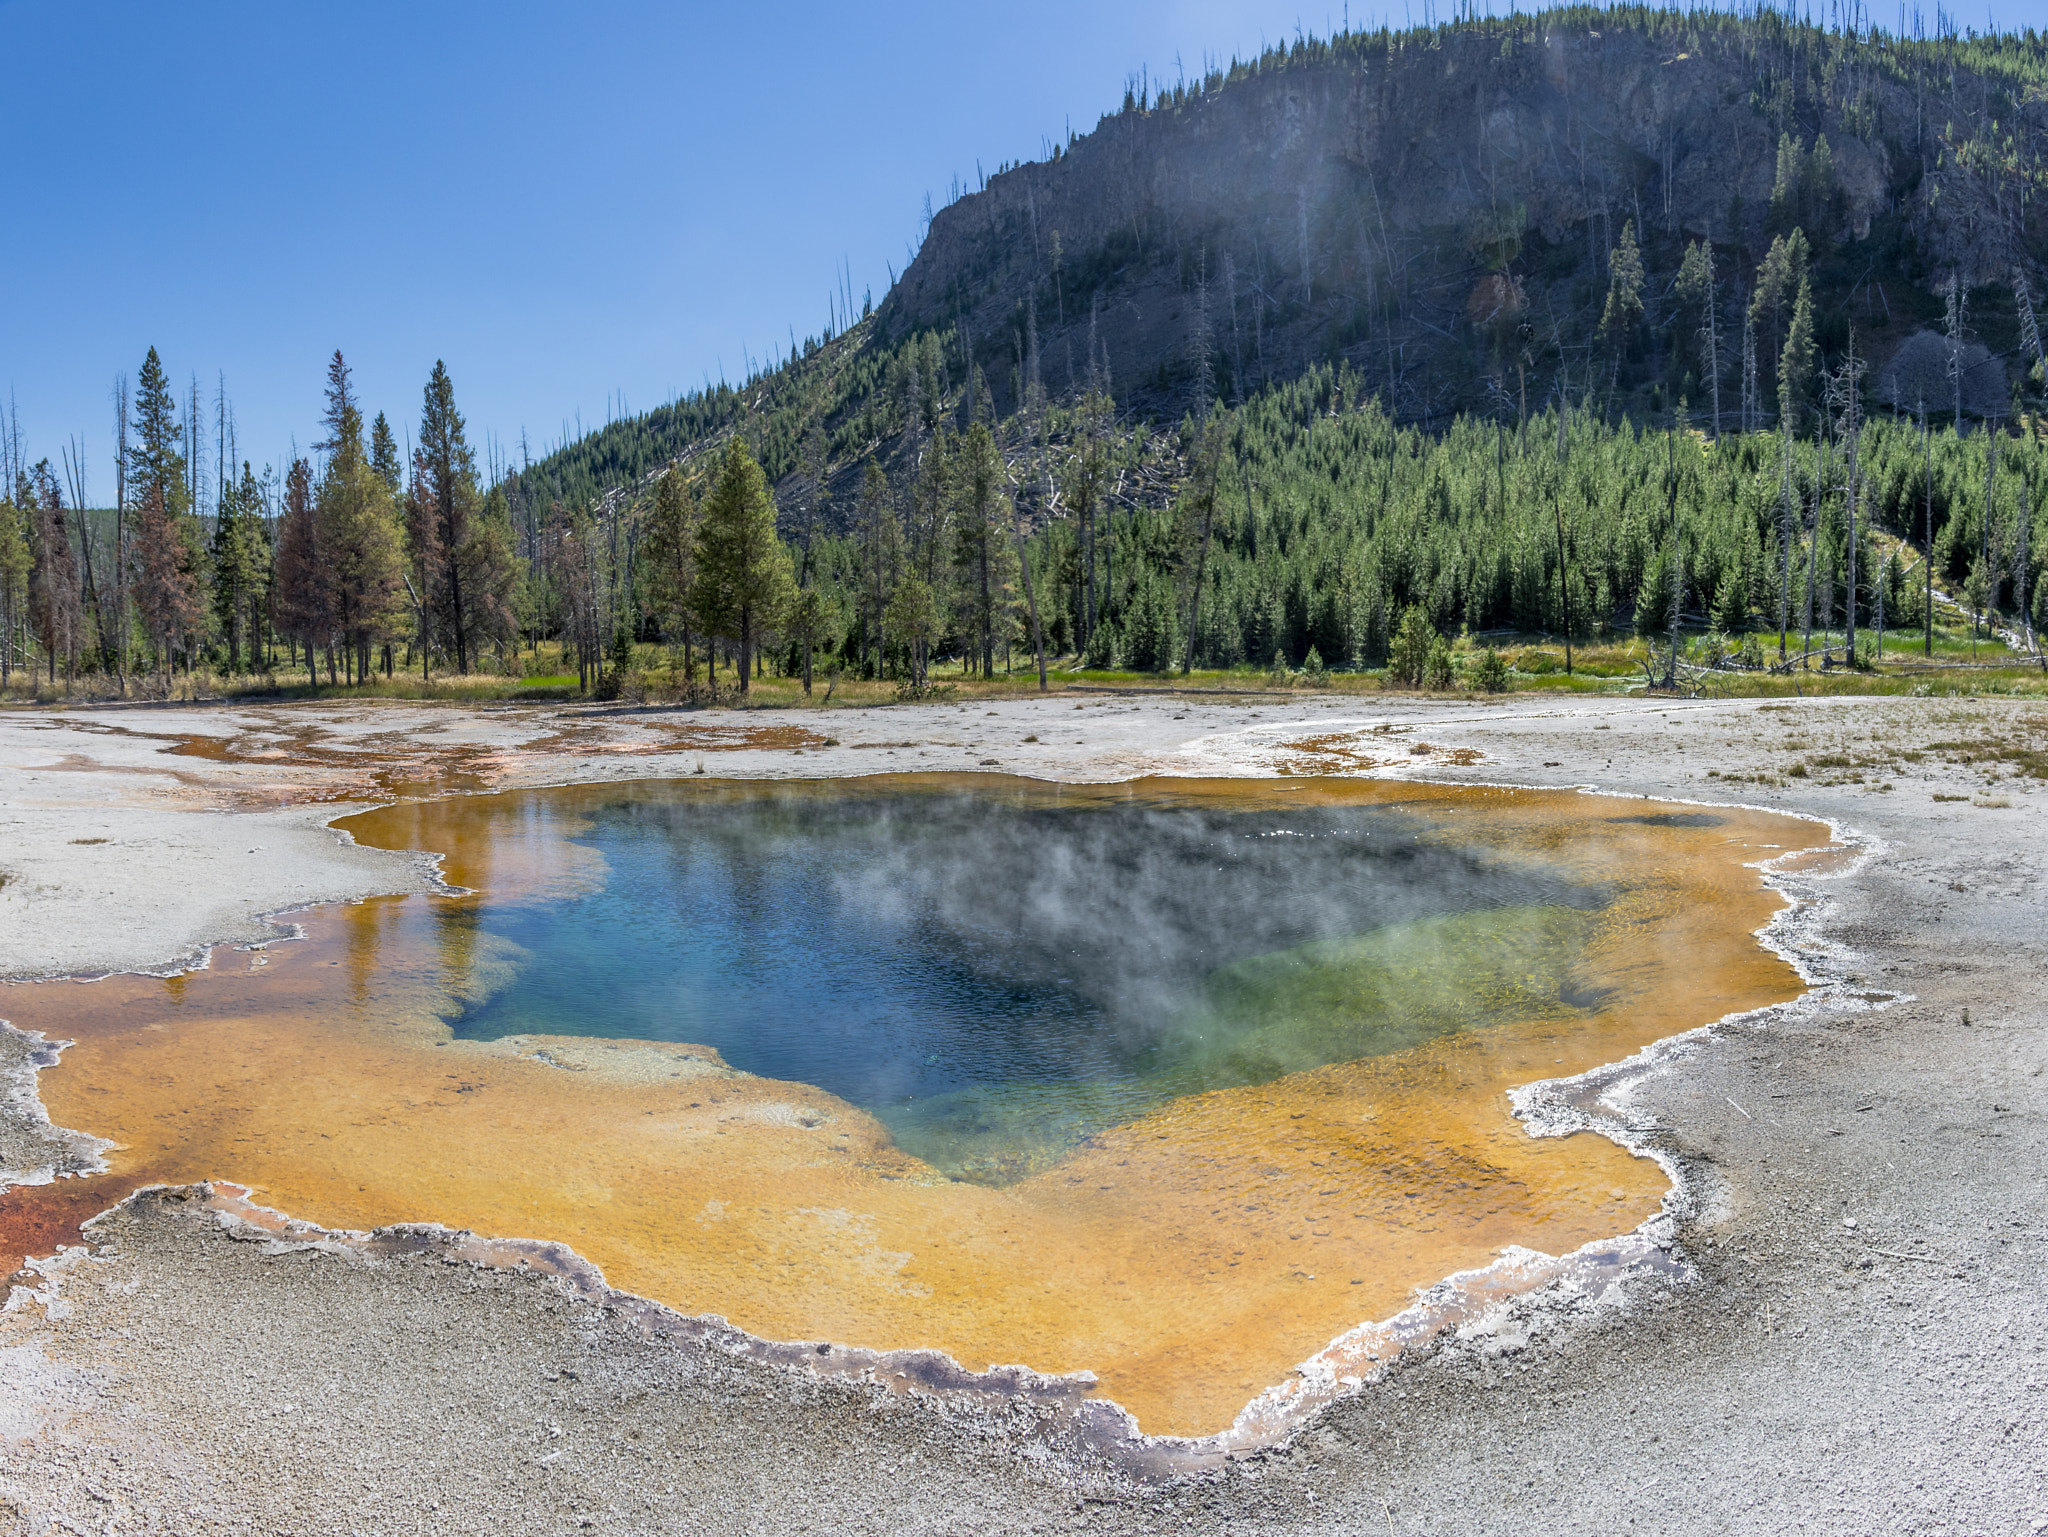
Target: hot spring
[1171, 1081]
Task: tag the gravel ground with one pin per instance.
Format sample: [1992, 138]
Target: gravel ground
[1797, 1374]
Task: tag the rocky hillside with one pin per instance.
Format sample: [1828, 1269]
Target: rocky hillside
[1437, 206]
[1440, 209]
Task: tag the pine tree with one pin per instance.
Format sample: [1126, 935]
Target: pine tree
[239, 557]
[1801, 357]
[467, 567]
[15, 563]
[258, 554]
[881, 539]
[359, 538]
[425, 560]
[743, 571]
[1778, 279]
[569, 562]
[668, 553]
[1696, 287]
[165, 595]
[815, 488]
[1787, 183]
[1624, 308]
[914, 619]
[492, 574]
[1083, 481]
[359, 541]
[384, 456]
[55, 614]
[300, 592]
[167, 544]
[155, 460]
[978, 470]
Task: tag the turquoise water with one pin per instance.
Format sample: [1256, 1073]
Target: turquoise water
[999, 975]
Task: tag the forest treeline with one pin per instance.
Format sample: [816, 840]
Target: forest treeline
[1299, 529]
[341, 564]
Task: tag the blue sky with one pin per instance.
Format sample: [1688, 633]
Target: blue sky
[584, 209]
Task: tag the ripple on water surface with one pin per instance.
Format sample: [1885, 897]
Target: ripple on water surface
[1171, 1081]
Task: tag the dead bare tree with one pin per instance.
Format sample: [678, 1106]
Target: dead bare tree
[1845, 394]
[120, 551]
[2030, 332]
[1750, 414]
[89, 594]
[1927, 482]
[2020, 573]
[1785, 532]
[1209, 469]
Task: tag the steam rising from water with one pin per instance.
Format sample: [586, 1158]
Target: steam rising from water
[997, 976]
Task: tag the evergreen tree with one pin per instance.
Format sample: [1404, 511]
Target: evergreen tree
[913, 618]
[465, 560]
[425, 561]
[384, 456]
[492, 575]
[1624, 309]
[240, 560]
[156, 461]
[299, 595]
[668, 554]
[1198, 526]
[15, 563]
[167, 548]
[1083, 480]
[743, 572]
[1696, 288]
[881, 539]
[1786, 184]
[815, 489]
[166, 597]
[1802, 356]
[570, 568]
[358, 533]
[55, 614]
[977, 524]
[1778, 279]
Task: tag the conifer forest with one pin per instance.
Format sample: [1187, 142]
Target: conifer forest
[1742, 379]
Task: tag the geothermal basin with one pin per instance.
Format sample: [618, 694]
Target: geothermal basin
[1171, 1082]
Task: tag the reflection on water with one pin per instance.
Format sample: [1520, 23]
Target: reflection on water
[998, 977]
[1195, 1152]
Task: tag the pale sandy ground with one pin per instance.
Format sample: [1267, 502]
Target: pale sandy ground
[1804, 1377]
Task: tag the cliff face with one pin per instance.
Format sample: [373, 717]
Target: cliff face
[1439, 207]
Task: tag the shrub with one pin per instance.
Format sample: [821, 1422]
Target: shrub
[1492, 672]
[1439, 669]
[1408, 659]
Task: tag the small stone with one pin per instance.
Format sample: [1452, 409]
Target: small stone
[1849, 1223]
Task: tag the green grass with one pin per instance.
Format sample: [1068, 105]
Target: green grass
[1611, 665]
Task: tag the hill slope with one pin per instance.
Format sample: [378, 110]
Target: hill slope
[1438, 209]
[1362, 200]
